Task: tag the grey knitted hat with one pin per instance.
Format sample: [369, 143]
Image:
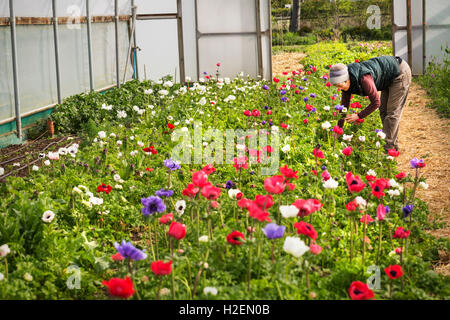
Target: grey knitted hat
[338, 73]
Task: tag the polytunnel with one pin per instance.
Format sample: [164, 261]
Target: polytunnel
[420, 31]
[53, 49]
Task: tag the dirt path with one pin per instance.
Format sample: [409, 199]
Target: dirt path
[424, 135]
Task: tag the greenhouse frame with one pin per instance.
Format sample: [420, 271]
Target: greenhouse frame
[81, 45]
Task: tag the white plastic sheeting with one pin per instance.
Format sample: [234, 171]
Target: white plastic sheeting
[36, 54]
[158, 39]
[158, 43]
[64, 8]
[437, 33]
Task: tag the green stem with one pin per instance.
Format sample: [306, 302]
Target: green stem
[159, 287]
[364, 239]
[379, 241]
[151, 240]
[134, 280]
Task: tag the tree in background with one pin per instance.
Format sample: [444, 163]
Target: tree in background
[294, 25]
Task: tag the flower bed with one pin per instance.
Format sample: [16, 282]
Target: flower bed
[118, 216]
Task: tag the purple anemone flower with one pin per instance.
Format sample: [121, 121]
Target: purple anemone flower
[265, 87]
[313, 109]
[229, 184]
[266, 107]
[305, 99]
[152, 204]
[339, 107]
[127, 250]
[407, 210]
[416, 163]
[172, 165]
[283, 99]
[312, 95]
[301, 88]
[263, 122]
[274, 231]
[283, 92]
[164, 193]
[324, 168]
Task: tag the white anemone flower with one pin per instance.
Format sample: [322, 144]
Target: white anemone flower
[102, 134]
[232, 193]
[286, 148]
[289, 211]
[180, 206]
[210, 290]
[295, 246]
[423, 185]
[330, 184]
[326, 125]
[48, 216]
[4, 250]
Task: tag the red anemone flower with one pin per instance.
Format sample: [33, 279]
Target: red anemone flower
[274, 184]
[393, 153]
[165, 219]
[394, 272]
[210, 192]
[122, 288]
[177, 230]
[160, 268]
[401, 233]
[360, 291]
[208, 169]
[264, 202]
[347, 151]
[306, 229]
[288, 173]
[200, 179]
[104, 188]
[305, 207]
[354, 183]
[318, 153]
[255, 212]
[190, 191]
[235, 238]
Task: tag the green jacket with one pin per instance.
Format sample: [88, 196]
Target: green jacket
[382, 69]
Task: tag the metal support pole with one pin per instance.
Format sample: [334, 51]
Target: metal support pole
[116, 24]
[409, 31]
[270, 37]
[56, 41]
[258, 38]
[15, 70]
[180, 43]
[393, 29]
[136, 66]
[133, 28]
[424, 33]
[196, 41]
[91, 72]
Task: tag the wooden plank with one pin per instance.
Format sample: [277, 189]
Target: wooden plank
[4, 21]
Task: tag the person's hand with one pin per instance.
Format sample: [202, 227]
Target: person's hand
[351, 118]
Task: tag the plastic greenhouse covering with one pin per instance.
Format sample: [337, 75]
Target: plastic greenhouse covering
[164, 29]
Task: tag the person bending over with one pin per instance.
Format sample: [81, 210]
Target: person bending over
[388, 74]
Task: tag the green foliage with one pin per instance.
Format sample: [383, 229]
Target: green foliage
[83, 233]
[289, 39]
[436, 82]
